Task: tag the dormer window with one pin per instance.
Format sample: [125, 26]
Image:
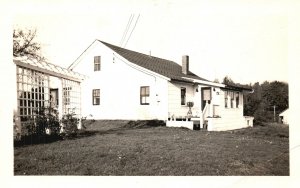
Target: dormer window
[97, 63]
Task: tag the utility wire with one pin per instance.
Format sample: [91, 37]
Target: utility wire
[126, 29]
[132, 29]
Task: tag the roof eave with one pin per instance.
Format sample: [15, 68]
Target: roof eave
[78, 59]
[237, 88]
[203, 82]
[78, 78]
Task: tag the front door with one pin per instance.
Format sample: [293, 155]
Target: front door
[205, 96]
[54, 97]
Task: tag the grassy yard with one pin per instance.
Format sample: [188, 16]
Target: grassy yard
[129, 148]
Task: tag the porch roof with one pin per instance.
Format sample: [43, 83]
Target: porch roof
[49, 68]
[238, 87]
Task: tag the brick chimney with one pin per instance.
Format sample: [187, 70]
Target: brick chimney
[185, 64]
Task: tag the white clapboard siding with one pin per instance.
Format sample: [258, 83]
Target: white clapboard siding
[119, 85]
[174, 99]
[231, 118]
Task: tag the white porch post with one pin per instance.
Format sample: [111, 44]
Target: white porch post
[210, 109]
[200, 107]
[60, 99]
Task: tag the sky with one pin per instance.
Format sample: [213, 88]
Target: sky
[246, 40]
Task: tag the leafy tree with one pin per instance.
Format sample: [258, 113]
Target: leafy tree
[24, 44]
[216, 80]
[227, 80]
[260, 104]
[276, 94]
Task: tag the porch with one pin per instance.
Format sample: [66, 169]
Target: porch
[212, 109]
[41, 86]
[193, 123]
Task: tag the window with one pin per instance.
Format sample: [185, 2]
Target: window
[144, 95]
[226, 99]
[216, 112]
[53, 97]
[183, 96]
[96, 96]
[237, 99]
[231, 93]
[97, 63]
[71, 97]
[66, 95]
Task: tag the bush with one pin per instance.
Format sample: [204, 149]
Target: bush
[44, 122]
[45, 126]
[70, 124]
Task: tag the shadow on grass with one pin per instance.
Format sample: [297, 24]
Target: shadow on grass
[35, 139]
[144, 124]
[131, 125]
[47, 139]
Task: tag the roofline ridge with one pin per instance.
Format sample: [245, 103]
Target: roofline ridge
[134, 51]
[73, 63]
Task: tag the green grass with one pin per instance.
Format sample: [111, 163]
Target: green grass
[129, 148]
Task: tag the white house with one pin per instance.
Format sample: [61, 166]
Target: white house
[124, 84]
[284, 116]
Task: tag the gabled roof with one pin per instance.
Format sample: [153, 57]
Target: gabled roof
[161, 66]
[49, 68]
[164, 67]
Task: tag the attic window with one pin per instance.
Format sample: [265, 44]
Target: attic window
[97, 63]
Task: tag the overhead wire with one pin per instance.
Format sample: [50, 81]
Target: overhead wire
[126, 29]
[132, 30]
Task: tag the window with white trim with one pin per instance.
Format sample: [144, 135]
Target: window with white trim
[97, 63]
[231, 94]
[66, 95]
[144, 95]
[226, 99]
[237, 99]
[96, 96]
[183, 95]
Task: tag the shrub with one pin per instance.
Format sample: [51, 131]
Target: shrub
[45, 121]
[45, 124]
[70, 124]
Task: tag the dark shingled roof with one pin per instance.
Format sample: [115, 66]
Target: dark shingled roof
[163, 67]
[237, 86]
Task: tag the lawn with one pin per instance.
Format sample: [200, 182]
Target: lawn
[137, 148]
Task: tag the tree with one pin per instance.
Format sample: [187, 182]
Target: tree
[216, 80]
[266, 95]
[276, 94]
[24, 44]
[227, 80]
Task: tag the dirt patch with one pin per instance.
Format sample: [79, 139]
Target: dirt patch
[144, 124]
